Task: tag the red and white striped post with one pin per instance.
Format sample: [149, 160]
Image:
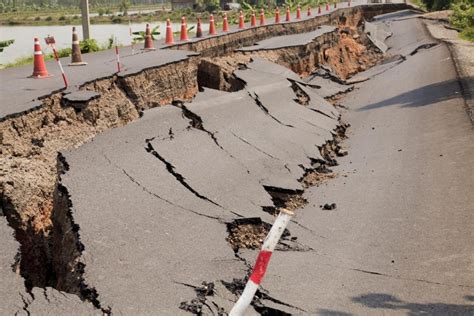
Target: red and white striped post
[117, 55]
[51, 41]
[263, 259]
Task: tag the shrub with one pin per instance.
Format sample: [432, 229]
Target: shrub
[89, 45]
[49, 18]
[62, 18]
[100, 12]
[38, 18]
[463, 15]
[468, 34]
[65, 52]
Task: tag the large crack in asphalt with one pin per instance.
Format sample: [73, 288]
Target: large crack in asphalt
[171, 169]
[67, 247]
[145, 189]
[265, 110]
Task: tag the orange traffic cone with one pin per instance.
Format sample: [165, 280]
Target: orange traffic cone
[327, 6]
[253, 19]
[39, 70]
[225, 24]
[309, 11]
[76, 57]
[298, 13]
[277, 15]
[262, 17]
[212, 26]
[148, 38]
[184, 30]
[319, 9]
[241, 20]
[288, 14]
[169, 33]
[199, 28]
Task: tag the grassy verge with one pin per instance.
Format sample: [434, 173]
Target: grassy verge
[467, 34]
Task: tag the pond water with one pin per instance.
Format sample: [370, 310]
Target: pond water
[24, 35]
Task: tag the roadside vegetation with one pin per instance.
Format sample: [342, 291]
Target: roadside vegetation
[461, 17]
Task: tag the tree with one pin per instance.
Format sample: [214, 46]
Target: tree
[124, 6]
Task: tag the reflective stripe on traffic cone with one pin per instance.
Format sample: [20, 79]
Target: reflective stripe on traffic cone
[184, 30]
[169, 33]
[262, 17]
[253, 19]
[225, 24]
[241, 20]
[39, 67]
[212, 26]
[199, 28]
[298, 13]
[76, 57]
[148, 38]
[288, 14]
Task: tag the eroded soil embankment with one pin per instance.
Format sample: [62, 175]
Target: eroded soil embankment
[30, 142]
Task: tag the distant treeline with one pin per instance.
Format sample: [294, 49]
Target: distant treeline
[72, 3]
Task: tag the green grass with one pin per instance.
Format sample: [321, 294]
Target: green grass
[419, 3]
[467, 34]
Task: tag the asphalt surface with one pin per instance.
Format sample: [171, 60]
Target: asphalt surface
[152, 199]
[289, 40]
[19, 93]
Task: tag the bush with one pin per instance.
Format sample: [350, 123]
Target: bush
[89, 45]
[65, 52]
[468, 34]
[100, 12]
[49, 18]
[38, 18]
[463, 15]
[62, 18]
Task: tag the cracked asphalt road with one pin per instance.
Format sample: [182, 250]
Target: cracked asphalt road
[152, 199]
[399, 241]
